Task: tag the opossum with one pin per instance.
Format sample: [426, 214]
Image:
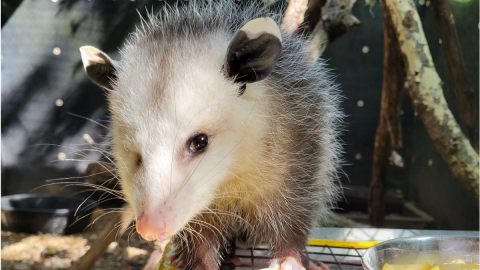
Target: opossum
[222, 126]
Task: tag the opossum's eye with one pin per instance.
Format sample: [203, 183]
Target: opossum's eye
[139, 160]
[198, 144]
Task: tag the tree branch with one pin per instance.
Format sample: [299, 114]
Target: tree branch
[424, 87]
[325, 20]
[334, 20]
[389, 128]
[105, 237]
[294, 14]
[313, 14]
[453, 53]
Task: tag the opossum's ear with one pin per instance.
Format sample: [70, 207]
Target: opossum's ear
[254, 51]
[99, 67]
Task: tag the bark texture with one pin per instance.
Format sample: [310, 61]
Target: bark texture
[324, 20]
[388, 134]
[294, 14]
[327, 21]
[425, 89]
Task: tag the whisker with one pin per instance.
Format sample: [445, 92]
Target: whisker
[111, 191]
[75, 150]
[90, 214]
[89, 119]
[119, 227]
[206, 225]
[73, 177]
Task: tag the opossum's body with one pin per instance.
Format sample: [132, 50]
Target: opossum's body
[269, 169]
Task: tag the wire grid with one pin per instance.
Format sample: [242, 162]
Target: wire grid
[335, 258]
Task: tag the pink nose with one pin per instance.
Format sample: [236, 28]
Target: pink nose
[151, 228]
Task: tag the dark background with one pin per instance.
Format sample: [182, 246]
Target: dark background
[33, 78]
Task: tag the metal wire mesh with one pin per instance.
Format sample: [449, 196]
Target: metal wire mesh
[335, 258]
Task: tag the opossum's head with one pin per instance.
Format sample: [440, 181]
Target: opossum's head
[179, 112]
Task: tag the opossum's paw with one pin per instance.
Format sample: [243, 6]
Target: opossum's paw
[312, 266]
[287, 263]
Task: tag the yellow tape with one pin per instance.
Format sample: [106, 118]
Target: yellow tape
[342, 244]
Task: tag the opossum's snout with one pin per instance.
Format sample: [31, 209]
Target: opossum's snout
[152, 227]
[159, 221]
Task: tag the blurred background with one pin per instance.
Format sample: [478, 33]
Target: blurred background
[47, 99]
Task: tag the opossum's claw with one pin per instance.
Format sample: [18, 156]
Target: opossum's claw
[287, 263]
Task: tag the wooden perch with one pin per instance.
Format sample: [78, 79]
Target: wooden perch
[425, 89]
[105, 237]
[102, 174]
[389, 129]
[313, 14]
[325, 20]
[337, 18]
[463, 90]
[294, 14]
